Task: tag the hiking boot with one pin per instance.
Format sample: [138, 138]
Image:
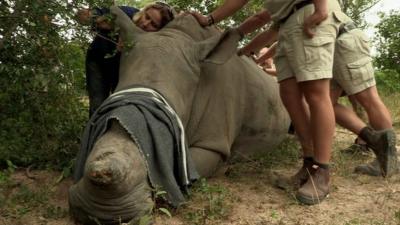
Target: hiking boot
[316, 188]
[294, 182]
[371, 169]
[359, 146]
[383, 143]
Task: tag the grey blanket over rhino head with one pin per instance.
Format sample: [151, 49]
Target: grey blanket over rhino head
[156, 132]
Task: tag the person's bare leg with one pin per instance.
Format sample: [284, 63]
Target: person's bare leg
[382, 138]
[293, 101]
[322, 117]
[357, 108]
[344, 116]
[378, 114]
[322, 124]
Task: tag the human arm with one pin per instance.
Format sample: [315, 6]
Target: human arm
[228, 8]
[266, 61]
[270, 53]
[319, 15]
[261, 40]
[87, 17]
[254, 22]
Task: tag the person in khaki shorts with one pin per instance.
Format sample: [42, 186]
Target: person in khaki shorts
[353, 74]
[304, 63]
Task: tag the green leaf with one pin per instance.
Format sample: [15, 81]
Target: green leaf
[165, 211]
[160, 193]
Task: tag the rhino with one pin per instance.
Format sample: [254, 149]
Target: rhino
[224, 104]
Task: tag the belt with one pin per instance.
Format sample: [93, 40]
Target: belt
[295, 9]
[346, 27]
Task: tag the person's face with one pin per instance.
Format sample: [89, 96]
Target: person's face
[150, 20]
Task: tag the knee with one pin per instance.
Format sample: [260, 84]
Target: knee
[318, 99]
[369, 101]
[207, 162]
[367, 96]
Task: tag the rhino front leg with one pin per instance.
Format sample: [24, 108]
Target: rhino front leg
[208, 163]
[115, 186]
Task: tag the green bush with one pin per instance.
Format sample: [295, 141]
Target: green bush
[388, 81]
[42, 112]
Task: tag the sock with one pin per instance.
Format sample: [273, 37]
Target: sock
[308, 160]
[322, 165]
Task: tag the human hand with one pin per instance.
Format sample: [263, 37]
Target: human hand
[260, 61]
[201, 19]
[312, 21]
[270, 71]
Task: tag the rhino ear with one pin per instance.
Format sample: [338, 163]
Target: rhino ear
[220, 48]
[128, 30]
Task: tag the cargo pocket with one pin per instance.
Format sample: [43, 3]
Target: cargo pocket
[345, 44]
[341, 17]
[363, 42]
[361, 70]
[318, 53]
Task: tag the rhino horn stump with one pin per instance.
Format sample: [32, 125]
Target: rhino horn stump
[115, 186]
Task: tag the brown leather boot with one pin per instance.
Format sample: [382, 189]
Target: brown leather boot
[383, 143]
[316, 188]
[372, 168]
[294, 182]
[359, 146]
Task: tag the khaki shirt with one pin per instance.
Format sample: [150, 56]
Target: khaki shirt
[280, 9]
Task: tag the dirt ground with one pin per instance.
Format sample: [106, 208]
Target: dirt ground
[245, 197]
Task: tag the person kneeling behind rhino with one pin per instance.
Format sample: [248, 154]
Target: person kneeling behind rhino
[102, 57]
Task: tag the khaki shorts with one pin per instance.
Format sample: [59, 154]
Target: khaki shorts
[353, 71]
[301, 57]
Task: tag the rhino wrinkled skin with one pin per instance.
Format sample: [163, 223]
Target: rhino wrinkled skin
[226, 104]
